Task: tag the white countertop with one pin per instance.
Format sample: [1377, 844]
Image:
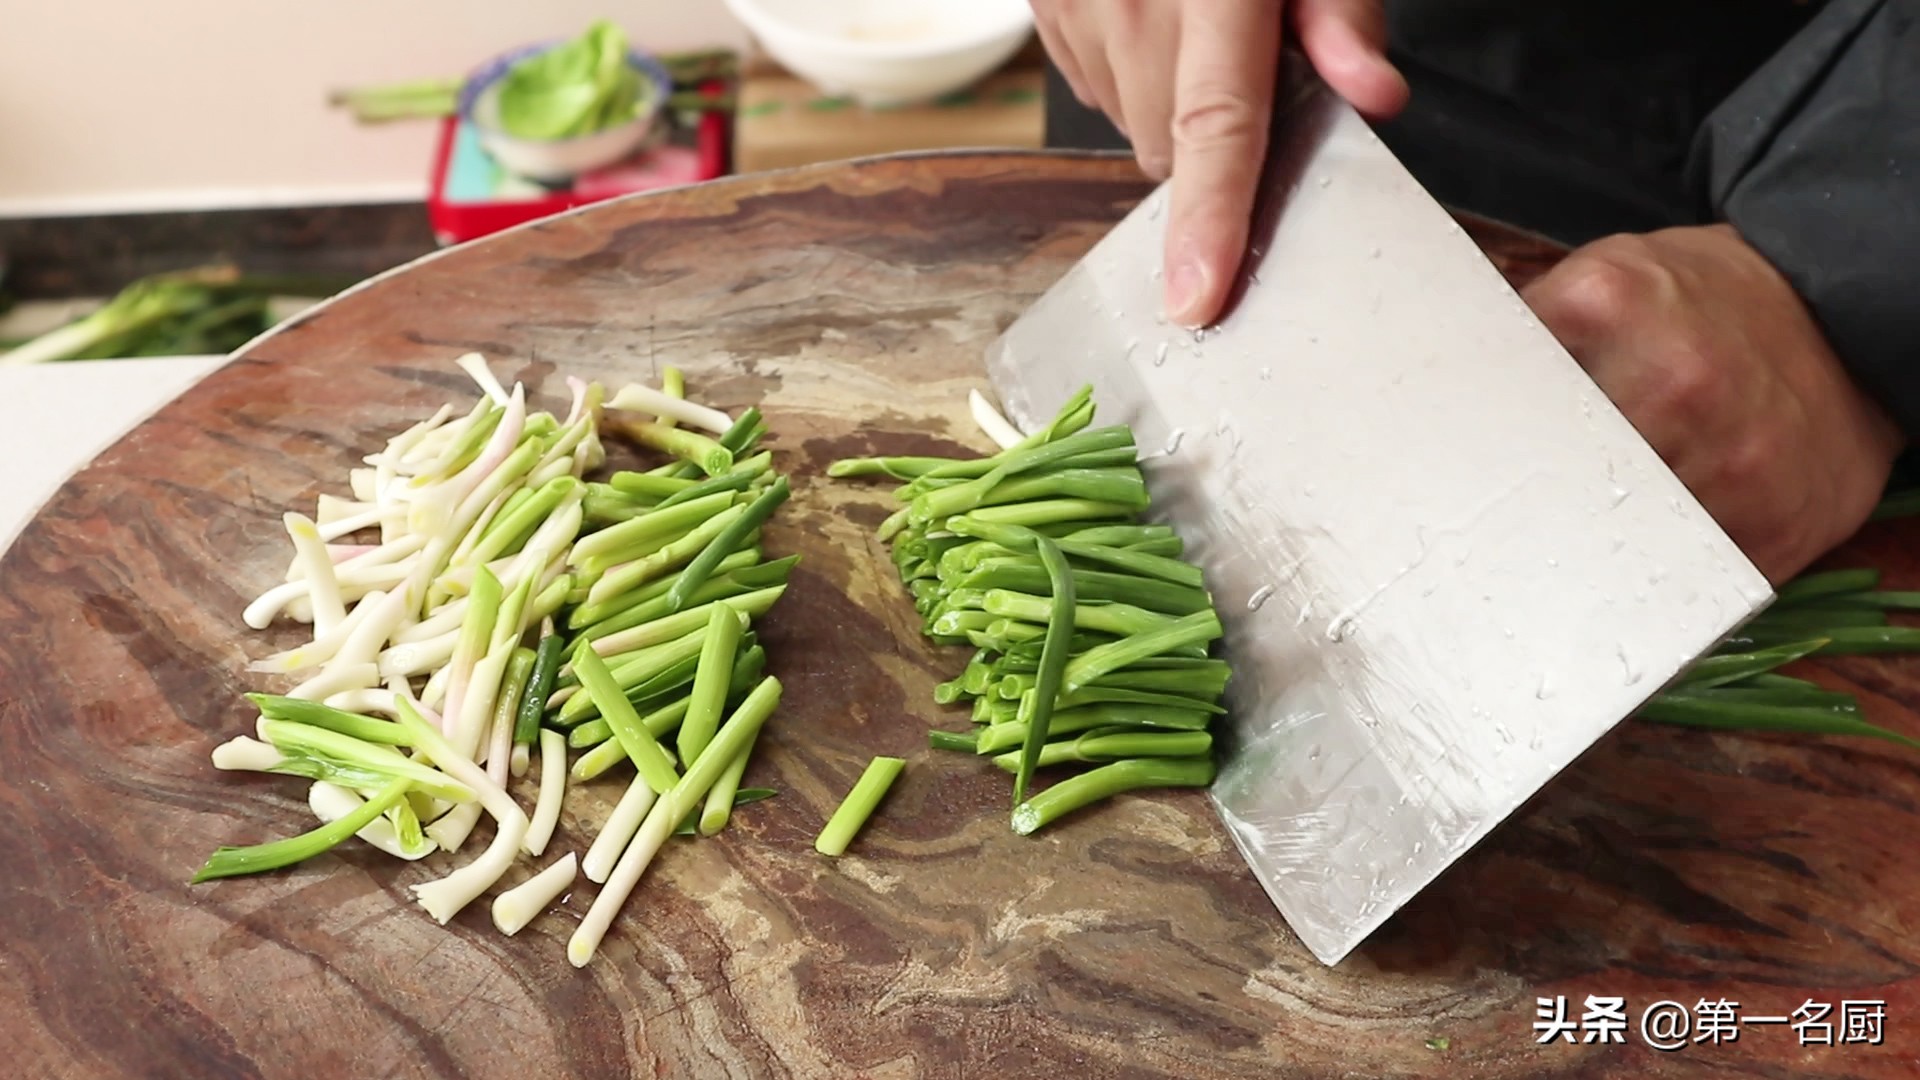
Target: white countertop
[55, 418]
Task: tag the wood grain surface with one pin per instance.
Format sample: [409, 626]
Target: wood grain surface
[852, 303]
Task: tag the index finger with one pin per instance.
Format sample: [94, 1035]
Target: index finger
[1223, 100]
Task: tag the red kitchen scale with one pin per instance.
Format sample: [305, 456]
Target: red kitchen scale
[472, 196]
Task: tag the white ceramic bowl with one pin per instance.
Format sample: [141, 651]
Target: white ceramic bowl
[888, 52]
[557, 160]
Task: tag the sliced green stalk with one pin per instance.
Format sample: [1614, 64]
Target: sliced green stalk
[1197, 629]
[1050, 511]
[1054, 654]
[645, 665]
[513, 688]
[745, 433]
[476, 636]
[1124, 486]
[750, 605]
[607, 751]
[617, 832]
[548, 601]
[673, 384]
[1098, 746]
[657, 527]
[648, 486]
[515, 908]
[690, 826]
[962, 741]
[899, 468]
[639, 571]
[697, 572]
[689, 446]
[736, 481]
[1117, 619]
[1098, 694]
[642, 748]
[347, 754]
[553, 787]
[512, 527]
[999, 737]
[312, 713]
[1202, 684]
[681, 674]
[603, 506]
[667, 812]
[538, 687]
[1020, 539]
[1059, 442]
[711, 679]
[465, 450]
[590, 615]
[720, 798]
[235, 861]
[1026, 575]
[1106, 781]
[858, 806]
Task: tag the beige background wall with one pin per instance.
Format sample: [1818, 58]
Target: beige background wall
[128, 105]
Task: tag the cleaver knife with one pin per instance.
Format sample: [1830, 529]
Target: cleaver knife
[1446, 564]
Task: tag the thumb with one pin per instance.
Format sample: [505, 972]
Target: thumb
[1347, 42]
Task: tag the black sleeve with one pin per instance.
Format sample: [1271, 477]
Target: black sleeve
[1816, 160]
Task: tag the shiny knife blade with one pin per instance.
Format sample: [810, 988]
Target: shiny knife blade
[1446, 563]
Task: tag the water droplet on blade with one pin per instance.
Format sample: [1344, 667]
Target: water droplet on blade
[1260, 596]
[1173, 440]
[1626, 665]
[1619, 496]
[1326, 181]
[1266, 374]
[1160, 355]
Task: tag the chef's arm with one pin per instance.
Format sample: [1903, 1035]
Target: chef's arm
[1816, 161]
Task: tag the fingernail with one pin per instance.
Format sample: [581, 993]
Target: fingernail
[1186, 285]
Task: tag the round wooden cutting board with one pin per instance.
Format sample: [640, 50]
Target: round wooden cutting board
[852, 303]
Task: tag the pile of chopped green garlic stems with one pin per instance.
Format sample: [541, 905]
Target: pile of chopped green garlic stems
[479, 598]
[972, 545]
[1090, 633]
